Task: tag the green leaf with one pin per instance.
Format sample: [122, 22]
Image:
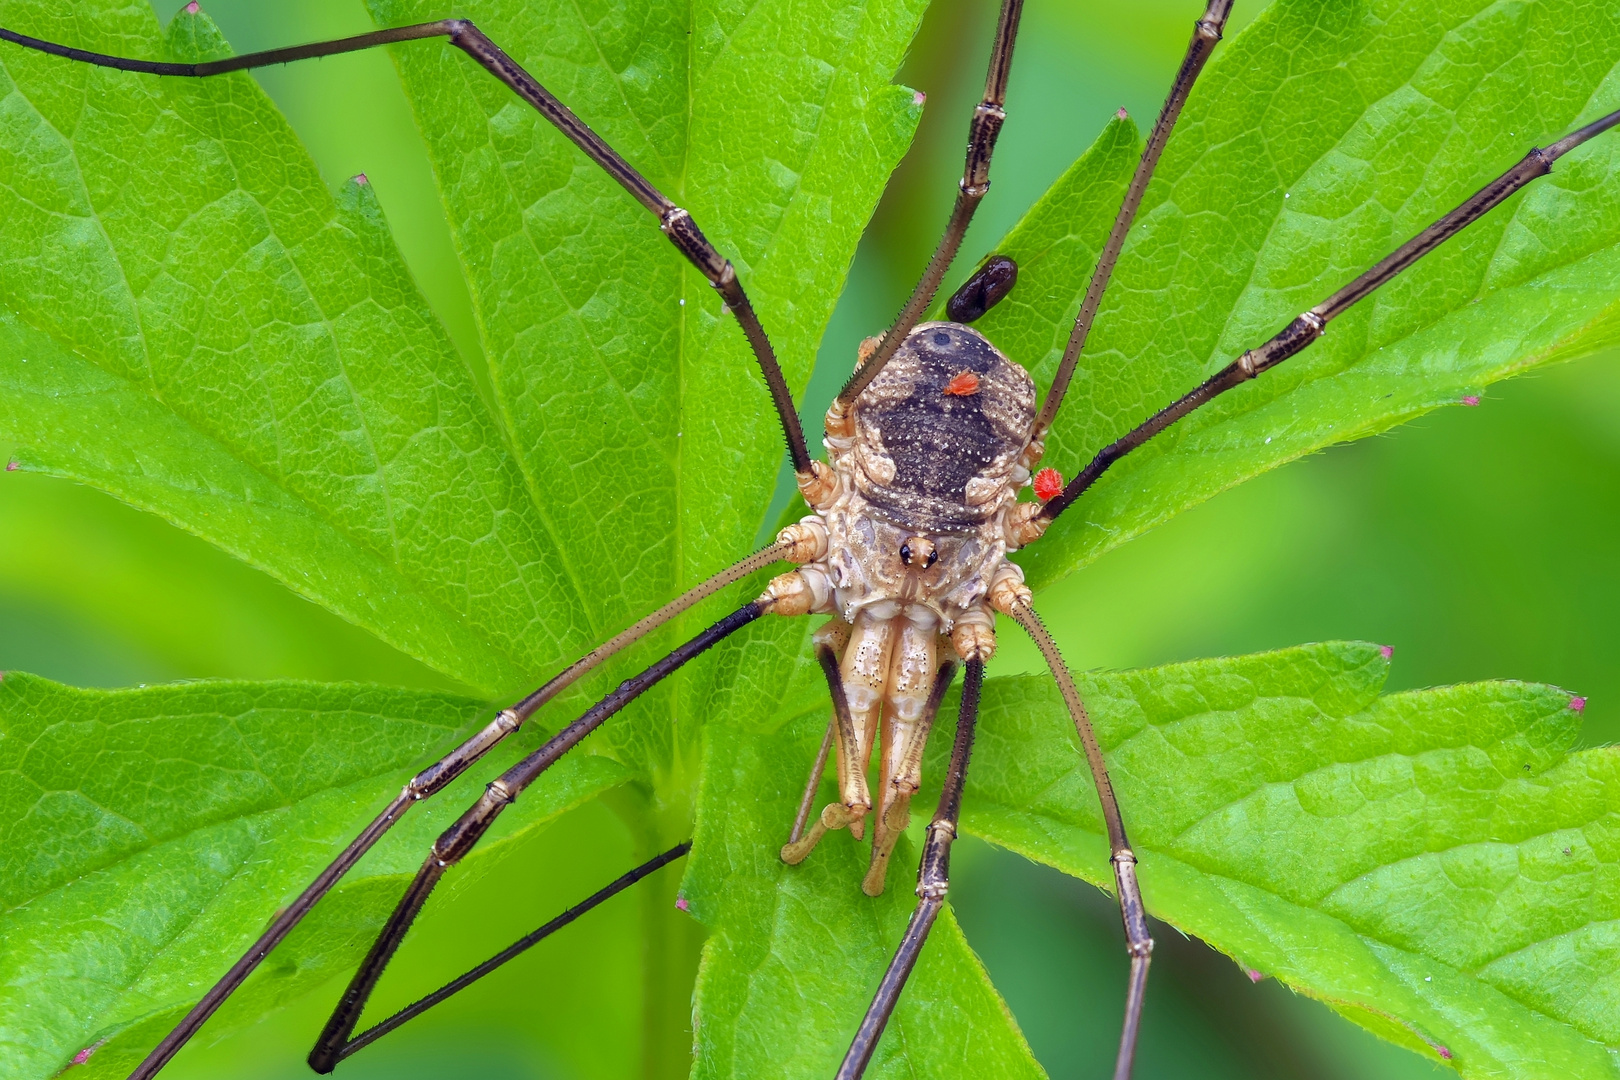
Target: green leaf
[190, 321]
[221, 341]
[1316, 142]
[211, 336]
[1433, 864]
[148, 835]
[615, 370]
[798, 951]
[190, 607]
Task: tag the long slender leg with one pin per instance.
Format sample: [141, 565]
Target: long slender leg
[988, 116]
[459, 838]
[933, 879]
[1206, 33]
[808, 799]
[522, 945]
[1309, 326]
[676, 223]
[436, 777]
[830, 640]
[1138, 942]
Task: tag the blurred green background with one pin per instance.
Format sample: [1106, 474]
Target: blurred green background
[1476, 542]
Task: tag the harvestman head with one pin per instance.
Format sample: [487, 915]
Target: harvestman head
[930, 444]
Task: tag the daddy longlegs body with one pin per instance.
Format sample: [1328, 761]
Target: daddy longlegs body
[930, 444]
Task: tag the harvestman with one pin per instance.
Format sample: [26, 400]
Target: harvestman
[929, 444]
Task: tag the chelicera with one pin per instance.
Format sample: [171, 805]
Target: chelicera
[930, 448]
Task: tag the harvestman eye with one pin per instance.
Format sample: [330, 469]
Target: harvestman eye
[894, 640]
[919, 552]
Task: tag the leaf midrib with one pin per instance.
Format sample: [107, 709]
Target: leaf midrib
[503, 416]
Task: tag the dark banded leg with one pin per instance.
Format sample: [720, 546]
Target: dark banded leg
[1206, 33]
[830, 641]
[1138, 942]
[429, 782]
[677, 224]
[1309, 326]
[933, 879]
[988, 116]
[512, 951]
[842, 728]
[456, 841]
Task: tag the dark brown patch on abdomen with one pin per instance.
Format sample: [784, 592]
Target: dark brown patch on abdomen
[939, 441]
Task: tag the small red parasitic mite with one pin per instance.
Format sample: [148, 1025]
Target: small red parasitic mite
[962, 385]
[1048, 484]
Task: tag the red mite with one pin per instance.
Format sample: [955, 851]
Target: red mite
[1048, 484]
[962, 385]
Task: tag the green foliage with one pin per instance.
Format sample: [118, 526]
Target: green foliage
[190, 321]
[797, 951]
[1433, 864]
[1323, 137]
[146, 829]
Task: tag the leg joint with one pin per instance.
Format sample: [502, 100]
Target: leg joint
[689, 240]
[982, 135]
[934, 875]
